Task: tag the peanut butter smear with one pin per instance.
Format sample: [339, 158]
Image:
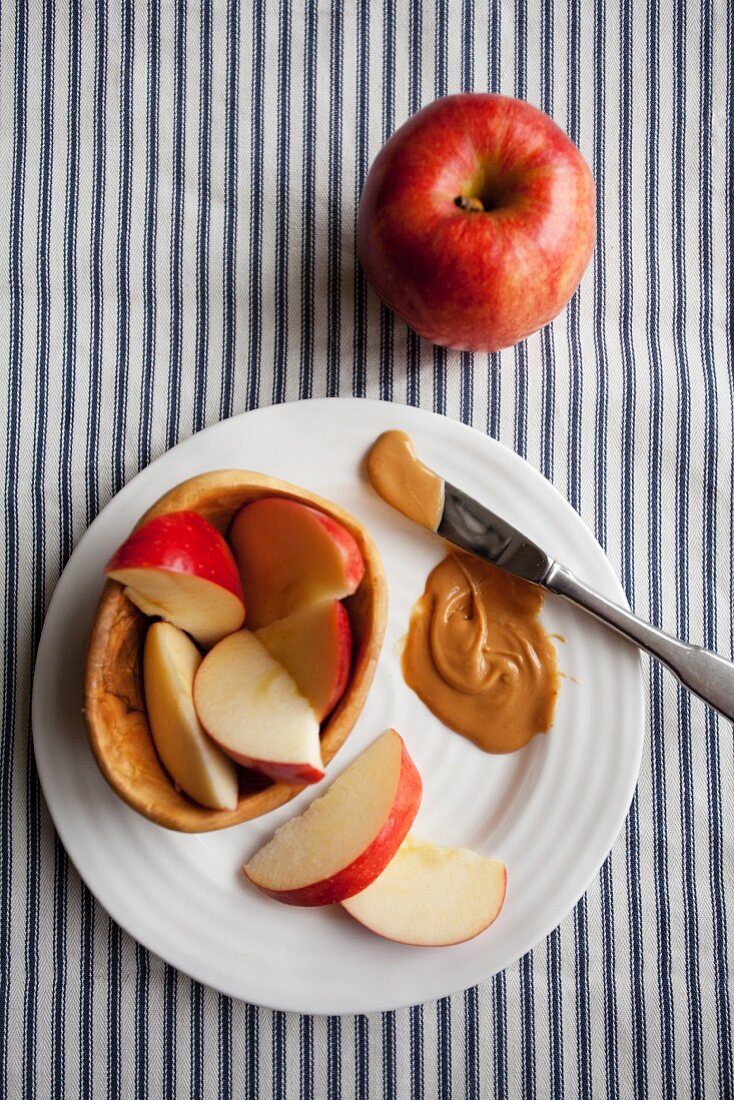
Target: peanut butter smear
[478, 657]
[401, 479]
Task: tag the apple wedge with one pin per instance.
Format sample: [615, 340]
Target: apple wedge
[179, 567]
[291, 556]
[347, 837]
[197, 766]
[315, 646]
[431, 896]
[248, 703]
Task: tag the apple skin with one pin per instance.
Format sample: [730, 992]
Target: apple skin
[477, 279]
[365, 868]
[180, 542]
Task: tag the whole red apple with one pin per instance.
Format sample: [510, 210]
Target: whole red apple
[476, 221]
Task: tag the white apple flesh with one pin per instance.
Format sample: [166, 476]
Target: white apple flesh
[315, 646]
[347, 837]
[196, 765]
[432, 896]
[291, 556]
[204, 609]
[250, 705]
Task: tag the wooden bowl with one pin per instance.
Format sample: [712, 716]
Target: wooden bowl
[114, 702]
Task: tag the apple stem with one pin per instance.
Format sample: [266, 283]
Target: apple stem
[469, 203]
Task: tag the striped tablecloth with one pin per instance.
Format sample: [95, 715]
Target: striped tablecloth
[178, 188]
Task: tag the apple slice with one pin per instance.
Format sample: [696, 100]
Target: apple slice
[194, 762]
[431, 896]
[291, 556]
[315, 646]
[252, 708]
[345, 838]
[178, 566]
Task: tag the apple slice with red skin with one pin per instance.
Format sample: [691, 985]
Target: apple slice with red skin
[251, 707]
[432, 896]
[197, 766]
[315, 646]
[347, 837]
[179, 567]
[291, 556]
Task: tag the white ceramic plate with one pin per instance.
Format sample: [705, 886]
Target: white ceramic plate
[550, 811]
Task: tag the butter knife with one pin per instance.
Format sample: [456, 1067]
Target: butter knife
[423, 496]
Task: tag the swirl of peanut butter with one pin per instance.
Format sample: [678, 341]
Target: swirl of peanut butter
[478, 656]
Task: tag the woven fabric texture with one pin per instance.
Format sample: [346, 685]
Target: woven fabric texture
[179, 186]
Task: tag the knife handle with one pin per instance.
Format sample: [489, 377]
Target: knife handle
[703, 672]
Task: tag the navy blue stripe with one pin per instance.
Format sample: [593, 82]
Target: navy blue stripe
[629, 385]
[520, 350]
[466, 387]
[547, 346]
[142, 982]
[555, 1013]
[334, 1058]
[231, 161]
[308, 204]
[38, 596]
[443, 1027]
[86, 995]
[123, 245]
[150, 226]
[389, 1061]
[282, 199]
[583, 1011]
[88, 904]
[683, 462]
[499, 1028]
[252, 1051]
[657, 728]
[305, 1074]
[710, 496]
[99, 135]
[467, 45]
[494, 84]
[576, 375]
[417, 1081]
[415, 59]
[359, 374]
[440, 372]
[71, 220]
[114, 997]
[726, 1071]
[442, 51]
[494, 72]
[387, 317]
[472, 1079]
[440, 355]
[334, 197]
[196, 1082]
[201, 337]
[170, 1045]
[177, 214]
[361, 1058]
[58, 991]
[278, 1056]
[224, 1050]
[527, 1025]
